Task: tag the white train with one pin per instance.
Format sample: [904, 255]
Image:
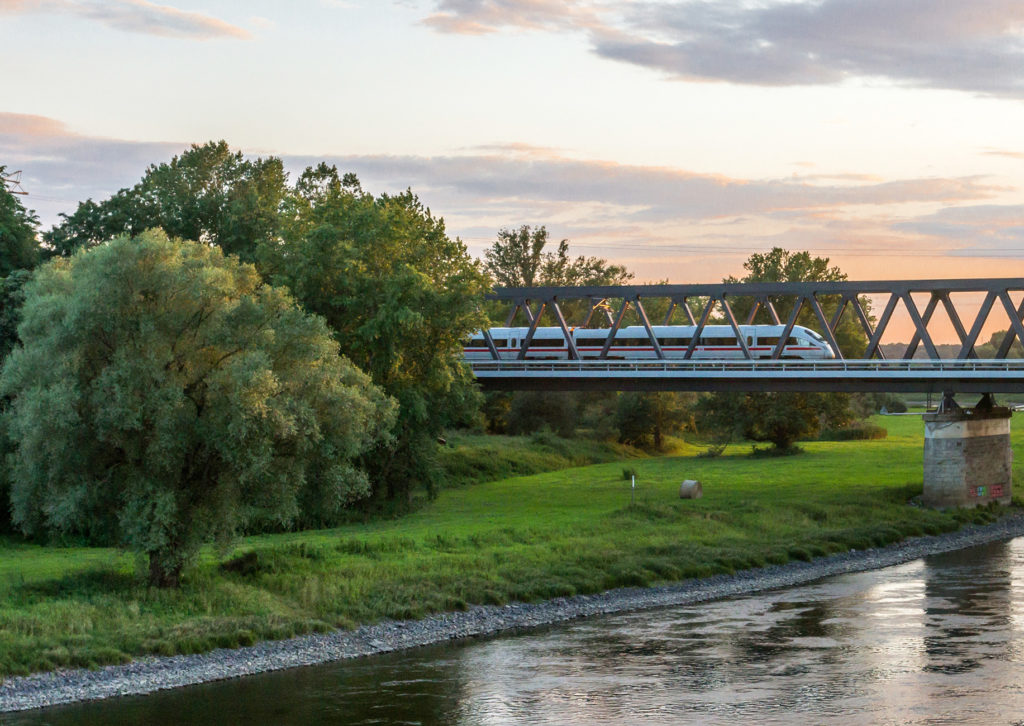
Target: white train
[716, 341]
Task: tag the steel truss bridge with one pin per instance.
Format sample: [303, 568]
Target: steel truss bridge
[871, 372]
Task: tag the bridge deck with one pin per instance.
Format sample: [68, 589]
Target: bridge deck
[902, 376]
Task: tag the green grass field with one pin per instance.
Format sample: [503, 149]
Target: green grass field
[524, 538]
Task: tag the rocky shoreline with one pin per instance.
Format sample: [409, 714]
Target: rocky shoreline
[157, 673]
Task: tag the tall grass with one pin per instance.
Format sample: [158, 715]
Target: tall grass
[518, 538]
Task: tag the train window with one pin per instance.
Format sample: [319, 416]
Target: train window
[547, 343]
[768, 340]
[675, 342]
[718, 341]
[793, 340]
[501, 342]
[477, 343]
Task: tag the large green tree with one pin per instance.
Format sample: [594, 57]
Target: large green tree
[778, 418]
[646, 418]
[165, 395]
[209, 194]
[782, 418]
[780, 265]
[19, 253]
[518, 258]
[19, 248]
[401, 296]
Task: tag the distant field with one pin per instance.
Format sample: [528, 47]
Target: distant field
[523, 538]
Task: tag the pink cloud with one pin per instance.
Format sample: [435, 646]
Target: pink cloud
[28, 125]
[476, 17]
[135, 16]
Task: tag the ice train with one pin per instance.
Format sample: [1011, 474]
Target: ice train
[716, 341]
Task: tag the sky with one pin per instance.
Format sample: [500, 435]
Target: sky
[672, 136]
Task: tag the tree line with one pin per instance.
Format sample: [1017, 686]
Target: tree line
[219, 349]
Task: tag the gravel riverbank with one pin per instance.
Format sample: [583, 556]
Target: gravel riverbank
[157, 673]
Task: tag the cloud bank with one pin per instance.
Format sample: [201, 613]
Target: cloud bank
[975, 46]
[651, 193]
[661, 221]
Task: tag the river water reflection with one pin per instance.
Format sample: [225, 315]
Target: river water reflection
[935, 641]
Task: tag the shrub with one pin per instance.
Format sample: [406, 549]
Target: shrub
[862, 432]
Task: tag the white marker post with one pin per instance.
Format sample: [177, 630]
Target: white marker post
[632, 490]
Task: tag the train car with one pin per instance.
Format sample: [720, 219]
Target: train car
[632, 342]
[547, 343]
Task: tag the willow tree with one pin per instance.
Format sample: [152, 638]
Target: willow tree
[164, 396]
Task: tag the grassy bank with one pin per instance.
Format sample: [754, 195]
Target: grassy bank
[523, 538]
[475, 458]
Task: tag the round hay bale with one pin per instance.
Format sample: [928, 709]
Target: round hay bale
[690, 489]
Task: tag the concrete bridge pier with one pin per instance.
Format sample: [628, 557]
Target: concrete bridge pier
[967, 455]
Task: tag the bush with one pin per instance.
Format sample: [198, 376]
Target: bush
[865, 404]
[646, 418]
[532, 411]
[894, 404]
[863, 432]
[772, 452]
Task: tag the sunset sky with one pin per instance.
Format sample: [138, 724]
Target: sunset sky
[675, 137]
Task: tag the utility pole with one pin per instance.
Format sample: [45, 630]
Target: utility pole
[12, 180]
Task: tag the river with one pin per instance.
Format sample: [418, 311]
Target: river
[935, 641]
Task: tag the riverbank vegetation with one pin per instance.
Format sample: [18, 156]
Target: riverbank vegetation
[524, 538]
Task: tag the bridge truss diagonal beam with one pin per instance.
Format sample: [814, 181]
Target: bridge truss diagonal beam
[647, 326]
[1016, 329]
[740, 338]
[921, 325]
[883, 322]
[569, 343]
[491, 347]
[695, 338]
[614, 329]
[829, 334]
[534, 324]
[979, 323]
[954, 318]
[788, 330]
[915, 339]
